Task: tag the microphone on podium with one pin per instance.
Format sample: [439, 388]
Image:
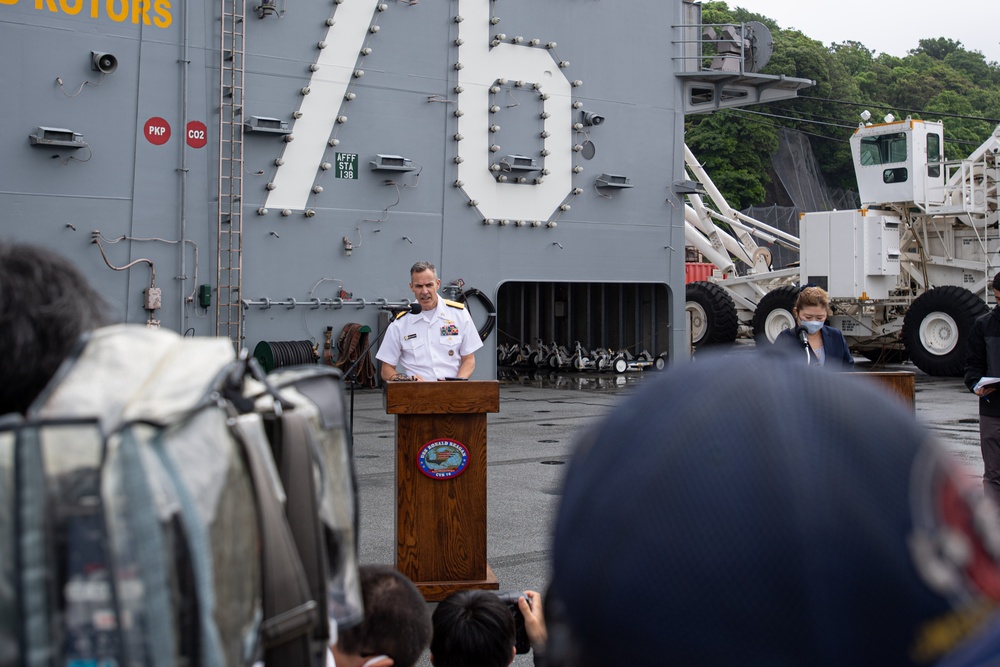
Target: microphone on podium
[804, 339]
[803, 336]
[412, 309]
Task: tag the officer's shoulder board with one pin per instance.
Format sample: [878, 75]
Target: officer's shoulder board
[400, 314]
[455, 304]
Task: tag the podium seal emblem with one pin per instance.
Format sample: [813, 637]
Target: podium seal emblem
[443, 458]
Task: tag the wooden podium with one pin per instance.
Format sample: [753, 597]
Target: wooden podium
[901, 384]
[441, 515]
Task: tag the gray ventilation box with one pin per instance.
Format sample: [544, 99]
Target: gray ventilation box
[391, 163]
[613, 181]
[266, 125]
[49, 137]
[518, 163]
[688, 188]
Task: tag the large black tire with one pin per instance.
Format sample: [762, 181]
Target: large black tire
[713, 314]
[937, 326]
[774, 313]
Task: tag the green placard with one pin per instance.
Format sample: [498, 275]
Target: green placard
[347, 165]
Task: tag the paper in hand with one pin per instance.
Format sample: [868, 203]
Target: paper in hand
[986, 382]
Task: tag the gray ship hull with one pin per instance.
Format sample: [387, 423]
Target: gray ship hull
[274, 174]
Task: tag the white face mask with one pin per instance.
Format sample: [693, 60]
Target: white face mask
[370, 661]
[813, 327]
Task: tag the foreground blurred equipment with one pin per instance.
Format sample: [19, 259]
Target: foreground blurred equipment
[837, 533]
[164, 505]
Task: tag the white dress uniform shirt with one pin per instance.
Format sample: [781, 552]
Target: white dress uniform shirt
[432, 343]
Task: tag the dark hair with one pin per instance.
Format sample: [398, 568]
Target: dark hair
[45, 304]
[473, 628]
[420, 267]
[996, 282]
[397, 622]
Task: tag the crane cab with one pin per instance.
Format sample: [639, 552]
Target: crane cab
[899, 162]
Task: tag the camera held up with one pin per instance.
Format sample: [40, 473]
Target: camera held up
[521, 642]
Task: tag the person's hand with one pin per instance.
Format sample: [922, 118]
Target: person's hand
[985, 391]
[534, 620]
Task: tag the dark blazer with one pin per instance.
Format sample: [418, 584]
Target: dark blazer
[983, 357]
[838, 356]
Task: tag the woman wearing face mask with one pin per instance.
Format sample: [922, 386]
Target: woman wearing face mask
[812, 339]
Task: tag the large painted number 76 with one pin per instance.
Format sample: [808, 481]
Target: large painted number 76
[482, 66]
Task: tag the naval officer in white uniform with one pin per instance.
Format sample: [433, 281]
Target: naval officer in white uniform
[439, 342]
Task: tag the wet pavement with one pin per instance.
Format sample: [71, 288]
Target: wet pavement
[531, 438]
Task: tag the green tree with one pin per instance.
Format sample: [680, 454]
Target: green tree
[716, 12]
[854, 57]
[825, 123]
[962, 135]
[735, 151]
[911, 89]
[939, 48]
[972, 63]
[937, 79]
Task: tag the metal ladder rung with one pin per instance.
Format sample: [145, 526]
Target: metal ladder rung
[230, 223]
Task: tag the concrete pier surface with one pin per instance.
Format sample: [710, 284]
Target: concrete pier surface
[532, 437]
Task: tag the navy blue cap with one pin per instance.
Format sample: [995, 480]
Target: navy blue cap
[745, 510]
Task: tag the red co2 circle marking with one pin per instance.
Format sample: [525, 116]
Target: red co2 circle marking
[197, 134]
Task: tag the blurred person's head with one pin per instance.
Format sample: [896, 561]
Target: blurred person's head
[472, 628]
[396, 627]
[744, 510]
[45, 305]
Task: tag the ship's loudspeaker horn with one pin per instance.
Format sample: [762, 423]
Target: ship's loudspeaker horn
[105, 63]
